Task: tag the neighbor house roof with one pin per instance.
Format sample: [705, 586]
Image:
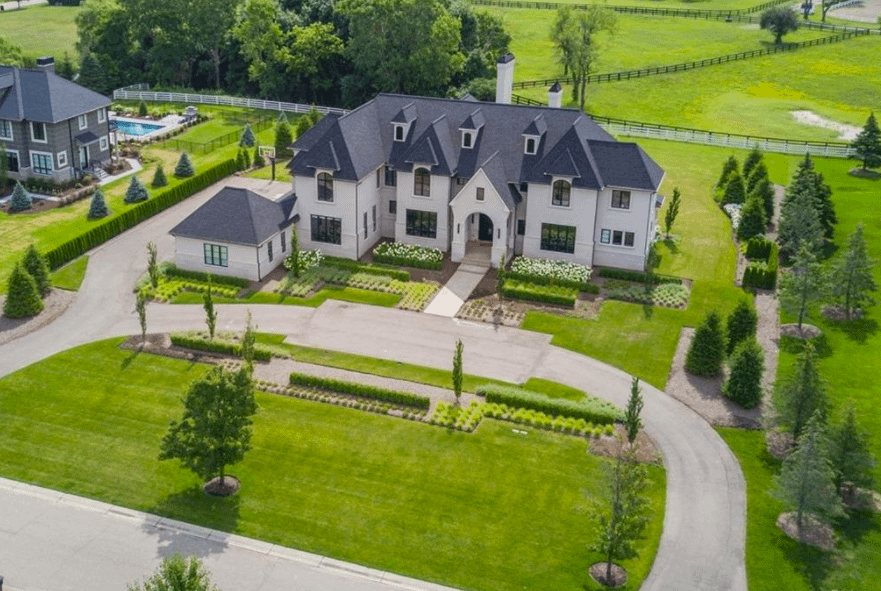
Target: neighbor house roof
[238, 216]
[42, 96]
[570, 144]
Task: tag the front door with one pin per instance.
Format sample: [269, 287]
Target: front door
[485, 229]
[84, 157]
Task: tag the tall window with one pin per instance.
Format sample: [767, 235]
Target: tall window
[6, 130]
[421, 182]
[11, 160]
[399, 133]
[325, 229]
[621, 199]
[216, 255]
[269, 250]
[83, 121]
[38, 131]
[466, 139]
[391, 177]
[373, 215]
[325, 187]
[530, 145]
[558, 238]
[480, 194]
[393, 207]
[365, 225]
[421, 223]
[41, 163]
[101, 116]
[561, 193]
[284, 242]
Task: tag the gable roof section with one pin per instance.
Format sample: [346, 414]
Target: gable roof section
[237, 216]
[625, 165]
[38, 95]
[494, 168]
[563, 165]
[537, 126]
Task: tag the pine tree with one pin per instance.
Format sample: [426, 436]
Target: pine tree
[672, 211]
[805, 283]
[852, 460]
[807, 481]
[35, 264]
[707, 349]
[184, 167]
[759, 174]
[735, 192]
[22, 295]
[293, 261]
[258, 160]
[98, 205]
[807, 182]
[751, 161]
[741, 324]
[246, 155]
[867, 144]
[801, 394]
[210, 312]
[764, 191]
[744, 382]
[136, 191]
[799, 225]
[21, 199]
[159, 178]
[825, 207]
[142, 109]
[92, 75]
[730, 166]
[632, 422]
[240, 160]
[457, 370]
[248, 139]
[752, 219]
[283, 140]
[852, 281]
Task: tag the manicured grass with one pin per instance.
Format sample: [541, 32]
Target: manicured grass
[328, 292]
[774, 561]
[71, 275]
[57, 30]
[553, 389]
[491, 510]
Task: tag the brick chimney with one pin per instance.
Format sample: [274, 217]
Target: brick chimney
[504, 78]
[47, 64]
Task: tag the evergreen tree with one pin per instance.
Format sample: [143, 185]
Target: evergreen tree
[852, 281]
[98, 205]
[240, 160]
[801, 394]
[735, 192]
[751, 161]
[65, 67]
[258, 160]
[707, 350]
[759, 174]
[22, 295]
[852, 460]
[184, 167]
[764, 191]
[159, 178]
[136, 191]
[142, 109]
[283, 140]
[249, 339]
[741, 324]
[246, 156]
[457, 370]
[293, 262]
[867, 144]
[92, 75]
[752, 219]
[153, 264]
[35, 264]
[730, 167]
[807, 481]
[825, 207]
[248, 139]
[672, 211]
[744, 382]
[632, 422]
[799, 225]
[807, 183]
[805, 283]
[210, 312]
[21, 199]
[141, 308]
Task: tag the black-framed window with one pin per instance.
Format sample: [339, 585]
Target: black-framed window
[421, 223]
[269, 250]
[38, 131]
[399, 133]
[365, 225]
[521, 227]
[422, 182]
[558, 238]
[325, 187]
[373, 215]
[460, 181]
[12, 161]
[628, 238]
[530, 145]
[393, 206]
[41, 163]
[391, 177]
[621, 199]
[6, 130]
[605, 236]
[619, 237]
[284, 242]
[327, 229]
[466, 139]
[560, 196]
[378, 177]
[480, 194]
[216, 255]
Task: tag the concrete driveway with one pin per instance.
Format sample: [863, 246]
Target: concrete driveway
[702, 547]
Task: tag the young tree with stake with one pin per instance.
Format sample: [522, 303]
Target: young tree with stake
[141, 308]
[210, 312]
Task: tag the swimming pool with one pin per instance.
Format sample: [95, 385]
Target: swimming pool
[136, 128]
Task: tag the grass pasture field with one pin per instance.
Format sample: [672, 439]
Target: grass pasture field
[385, 492]
[55, 24]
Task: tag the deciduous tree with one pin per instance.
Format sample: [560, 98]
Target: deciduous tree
[177, 573]
[672, 211]
[576, 35]
[780, 20]
[153, 264]
[852, 280]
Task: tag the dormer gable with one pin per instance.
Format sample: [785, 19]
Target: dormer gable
[533, 135]
[402, 122]
[563, 166]
[470, 128]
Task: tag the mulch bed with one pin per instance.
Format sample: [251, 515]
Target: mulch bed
[610, 446]
[217, 488]
[814, 533]
[598, 574]
[806, 332]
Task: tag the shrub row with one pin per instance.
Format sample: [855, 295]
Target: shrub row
[546, 294]
[103, 232]
[762, 274]
[356, 267]
[222, 347]
[363, 390]
[639, 276]
[408, 255]
[175, 271]
[593, 410]
[543, 280]
[758, 247]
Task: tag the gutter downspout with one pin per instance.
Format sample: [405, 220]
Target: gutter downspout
[259, 275]
[357, 240]
[73, 153]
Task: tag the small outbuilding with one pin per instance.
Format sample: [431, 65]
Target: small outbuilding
[237, 233]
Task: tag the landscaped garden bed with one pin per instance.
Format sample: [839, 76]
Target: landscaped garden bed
[408, 255]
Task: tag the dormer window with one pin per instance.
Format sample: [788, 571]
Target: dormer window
[399, 133]
[531, 146]
[467, 139]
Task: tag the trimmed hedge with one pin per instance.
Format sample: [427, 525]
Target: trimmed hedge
[175, 271]
[369, 268]
[593, 410]
[556, 281]
[546, 294]
[362, 390]
[224, 348]
[638, 276]
[762, 274]
[108, 229]
[758, 248]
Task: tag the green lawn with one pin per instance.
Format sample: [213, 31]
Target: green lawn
[71, 275]
[489, 510]
[328, 292]
[57, 30]
[775, 562]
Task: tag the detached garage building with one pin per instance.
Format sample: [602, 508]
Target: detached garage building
[236, 233]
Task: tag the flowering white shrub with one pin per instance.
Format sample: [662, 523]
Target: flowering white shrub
[733, 211]
[308, 259]
[551, 269]
[399, 253]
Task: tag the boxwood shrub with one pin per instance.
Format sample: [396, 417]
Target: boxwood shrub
[758, 248]
[638, 276]
[762, 274]
[547, 294]
[218, 346]
[358, 389]
[591, 409]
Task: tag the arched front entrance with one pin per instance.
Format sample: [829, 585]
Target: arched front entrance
[485, 228]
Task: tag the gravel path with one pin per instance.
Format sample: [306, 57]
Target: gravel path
[54, 305]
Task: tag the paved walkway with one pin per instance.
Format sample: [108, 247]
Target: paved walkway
[702, 545]
[450, 298]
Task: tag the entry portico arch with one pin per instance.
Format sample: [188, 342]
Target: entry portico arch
[480, 219]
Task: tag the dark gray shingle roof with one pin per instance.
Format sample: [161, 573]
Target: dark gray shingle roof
[237, 216]
[37, 95]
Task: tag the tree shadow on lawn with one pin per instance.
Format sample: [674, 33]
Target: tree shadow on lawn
[193, 505]
[795, 346]
[856, 330]
[813, 564]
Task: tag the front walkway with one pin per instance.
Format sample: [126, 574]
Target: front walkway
[450, 298]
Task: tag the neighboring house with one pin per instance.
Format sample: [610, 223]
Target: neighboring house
[461, 175]
[51, 127]
[237, 233]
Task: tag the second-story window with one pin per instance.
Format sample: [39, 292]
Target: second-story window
[325, 187]
[561, 193]
[621, 199]
[38, 131]
[422, 182]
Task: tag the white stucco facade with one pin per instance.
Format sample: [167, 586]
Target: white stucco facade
[245, 261]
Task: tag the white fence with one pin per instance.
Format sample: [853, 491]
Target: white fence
[134, 94]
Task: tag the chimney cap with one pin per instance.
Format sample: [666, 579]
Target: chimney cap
[556, 87]
[46, 60]
[508, 57]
